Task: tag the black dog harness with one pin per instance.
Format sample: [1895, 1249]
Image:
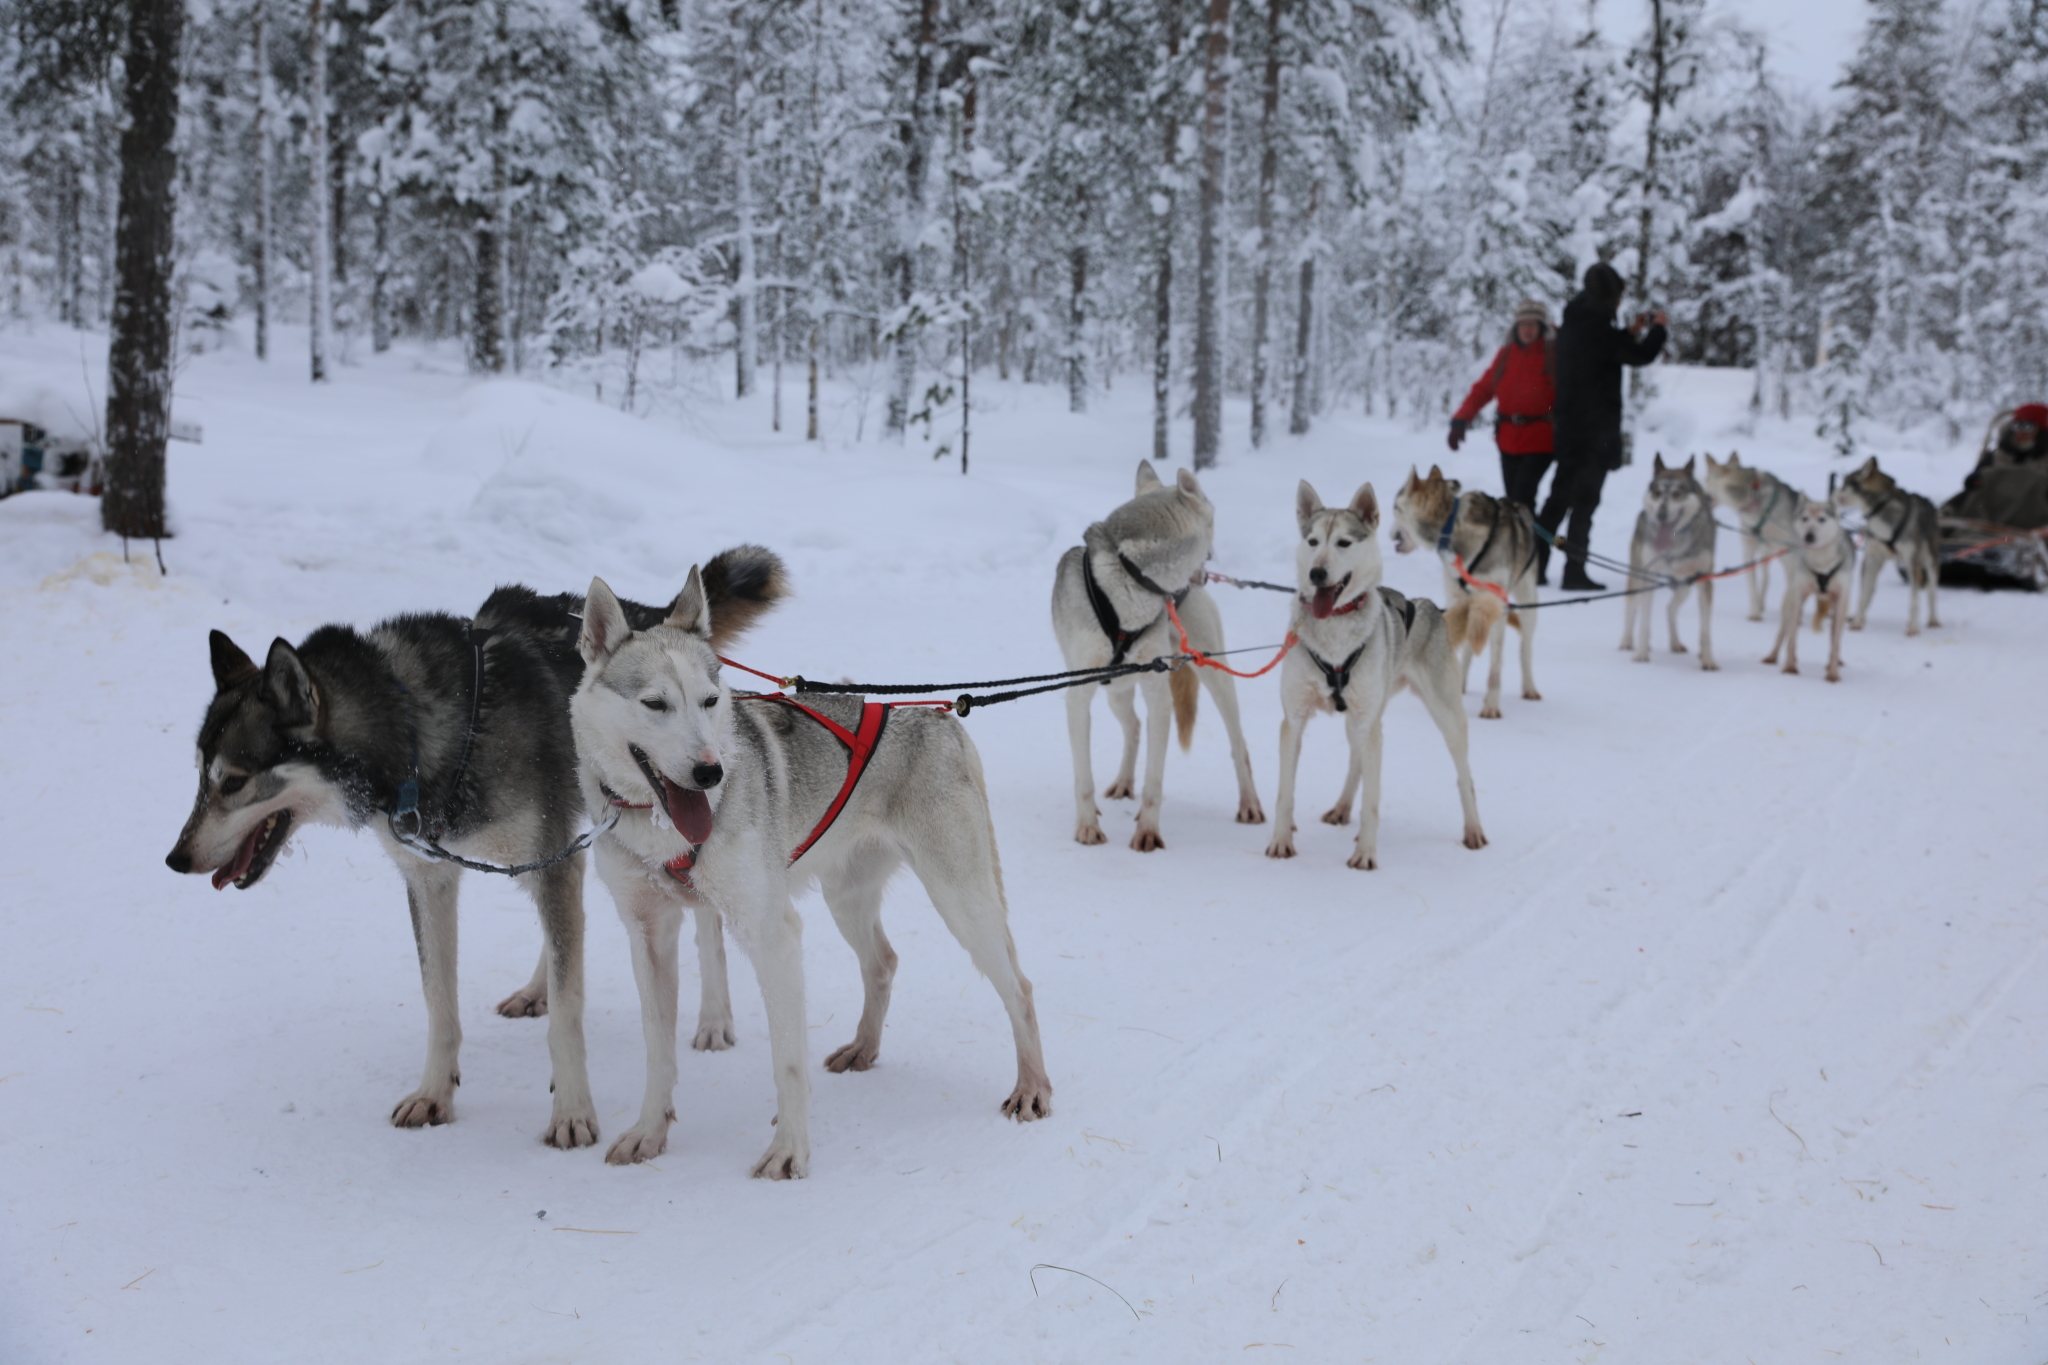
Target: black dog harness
[1120, 640]
[1443, 536]
[1337, 677]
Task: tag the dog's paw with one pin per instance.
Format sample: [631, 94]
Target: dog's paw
[1790, 668]
[1678, 647]
[1707, 664]
[1335, 815]
[1490, 711]
[1362, 862]
[569, 1129]
[1834, 674]
[1119, 790]
[1641, 656]
[713, 1035]
[857, 1055]
[1282, 846]
[1250, 812]
[1531, 694]
[1911, 631]
[1147, 841]
[524, 1004]
[1856, 623]
[1032, 1099]
[640, 1143]
[1475, 837]
[424, 1108]
[784, 1161]
[1090, 834]
[1756, 616]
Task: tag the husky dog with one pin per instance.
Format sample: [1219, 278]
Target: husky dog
[1109, 607]
[458, 733]
[1822, 556]
[1497, 539]
[1674, 541]
[1896, 525]
[734, 803]
[1358, 644]
[1764, 506]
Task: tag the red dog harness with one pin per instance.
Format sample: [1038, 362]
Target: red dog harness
[860, 747]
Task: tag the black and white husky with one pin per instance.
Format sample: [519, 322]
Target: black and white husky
[456, 734]
[1674, 540]
[731, 803]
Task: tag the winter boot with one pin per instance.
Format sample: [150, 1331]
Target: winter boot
[1575, 579]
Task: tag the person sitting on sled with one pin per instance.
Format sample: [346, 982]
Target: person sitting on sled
[2022, 442]
[1520, 379]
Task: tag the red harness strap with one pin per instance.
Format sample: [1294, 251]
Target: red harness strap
[860, 746]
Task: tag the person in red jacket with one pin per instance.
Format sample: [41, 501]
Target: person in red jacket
[1520, 380]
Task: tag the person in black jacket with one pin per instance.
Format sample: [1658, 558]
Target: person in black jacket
[1586, 422]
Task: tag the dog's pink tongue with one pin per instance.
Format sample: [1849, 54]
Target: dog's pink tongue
[239, 868]
[1323, 603]
[688, 811]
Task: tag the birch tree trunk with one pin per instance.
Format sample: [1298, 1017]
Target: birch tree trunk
[1269, 173]
[917, 139]
[749, 326]
[139, 354]
[1077, 307]
[320, 259]
[380, 269]
[1208, 397]
[1304, 324]
[1162, 280]
[262, 121]
[1659, 69]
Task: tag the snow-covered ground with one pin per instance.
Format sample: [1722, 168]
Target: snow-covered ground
[1729, 1048]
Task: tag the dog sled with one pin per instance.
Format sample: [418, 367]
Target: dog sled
[1992, 533]
[32, 457]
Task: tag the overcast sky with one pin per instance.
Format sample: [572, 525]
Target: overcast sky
[1811, 40]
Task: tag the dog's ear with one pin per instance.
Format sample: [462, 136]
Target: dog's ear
[1413, 479]
[691, 610]
[1436, 474]
[604, 623]
[1688, 465]
[1366, 505]
[1185, 480]
[1148, 478]
[1306, 505]
[230, 664]
[1734, 459]
[1869, 468]
[1658, 460]
[289, 686]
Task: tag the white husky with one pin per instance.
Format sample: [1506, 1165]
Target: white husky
[1822, 559]
[733, 803]
[1359, 644]
[1109, 600]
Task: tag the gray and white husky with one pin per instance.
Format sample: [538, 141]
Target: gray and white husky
[456, 731]
[1109, 600]
[732, 803]
[1674, 540]
[1819, 566]
[1497, 540]
[1764, 507]
[1357, 645]
[1896, 525]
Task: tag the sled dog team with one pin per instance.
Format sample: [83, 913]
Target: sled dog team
[486, 742]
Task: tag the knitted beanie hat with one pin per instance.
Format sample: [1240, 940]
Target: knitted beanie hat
[2035, 413]
[1532, 310]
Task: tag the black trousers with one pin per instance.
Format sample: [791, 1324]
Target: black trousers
[1583, 459]
[1521, 474]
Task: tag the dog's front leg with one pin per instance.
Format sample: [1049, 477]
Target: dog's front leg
[1087, 815]
[1497, 647]
[1759, 576]
[654, 920]
[1292, 722]
[430, 895]
[1929, 573]
[531, 1000]
[1158, 725]
[775, 938]
[1707, 626]
[1367, 740]
[1526, 621]
[1204, 625]
[1631, 605]
[1123, 704]
[1841, 605]
[1788, 622]
[1679, 593]
[714, 1004]
[558, 892]
[1873, 563]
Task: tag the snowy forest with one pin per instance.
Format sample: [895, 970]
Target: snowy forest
[1304, 202]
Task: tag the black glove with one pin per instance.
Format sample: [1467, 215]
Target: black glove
[1458, 429]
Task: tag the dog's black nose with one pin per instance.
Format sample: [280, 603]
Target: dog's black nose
[1316, 576]
[707, 775]
[178, 862]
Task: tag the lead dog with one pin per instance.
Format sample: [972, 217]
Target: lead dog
[1897, 525]
[1764, 507]
[1674, 544]
[1818, 566]
[454, 731]
[1109, 600]
[1497, 540]
[734, 803]
[1359, 644]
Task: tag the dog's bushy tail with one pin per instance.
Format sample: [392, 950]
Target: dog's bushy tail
[1471, 620]
[1821, 603]
[1187, 691]
[742, 585]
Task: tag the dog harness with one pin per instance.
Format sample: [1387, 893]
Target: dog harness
[1120, 640]
[860, 747]
[1756, 486]
[1891, 542]
[1826, 578]
[1338, 676]
[1443, 537]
